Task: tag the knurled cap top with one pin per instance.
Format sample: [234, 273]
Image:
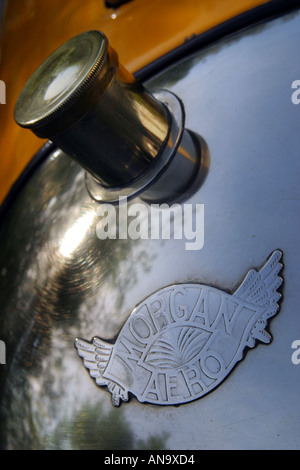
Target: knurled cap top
[51, 98]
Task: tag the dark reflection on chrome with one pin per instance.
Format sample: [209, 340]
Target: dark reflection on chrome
[51, 274]
[97, 429]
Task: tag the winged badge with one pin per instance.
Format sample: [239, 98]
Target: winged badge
[183, 340]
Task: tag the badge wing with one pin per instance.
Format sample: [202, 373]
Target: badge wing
[96, 356]
[260, 288]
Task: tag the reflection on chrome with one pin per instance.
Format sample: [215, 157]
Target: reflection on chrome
[74, 236]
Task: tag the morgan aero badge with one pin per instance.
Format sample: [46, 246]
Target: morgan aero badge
[182, 341]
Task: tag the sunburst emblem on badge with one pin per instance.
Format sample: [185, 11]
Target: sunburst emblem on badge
[182, 341]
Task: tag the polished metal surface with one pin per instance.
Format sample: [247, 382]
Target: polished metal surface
[59, 281]
[182, 342]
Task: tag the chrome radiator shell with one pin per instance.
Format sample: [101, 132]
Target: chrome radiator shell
[54, 288]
